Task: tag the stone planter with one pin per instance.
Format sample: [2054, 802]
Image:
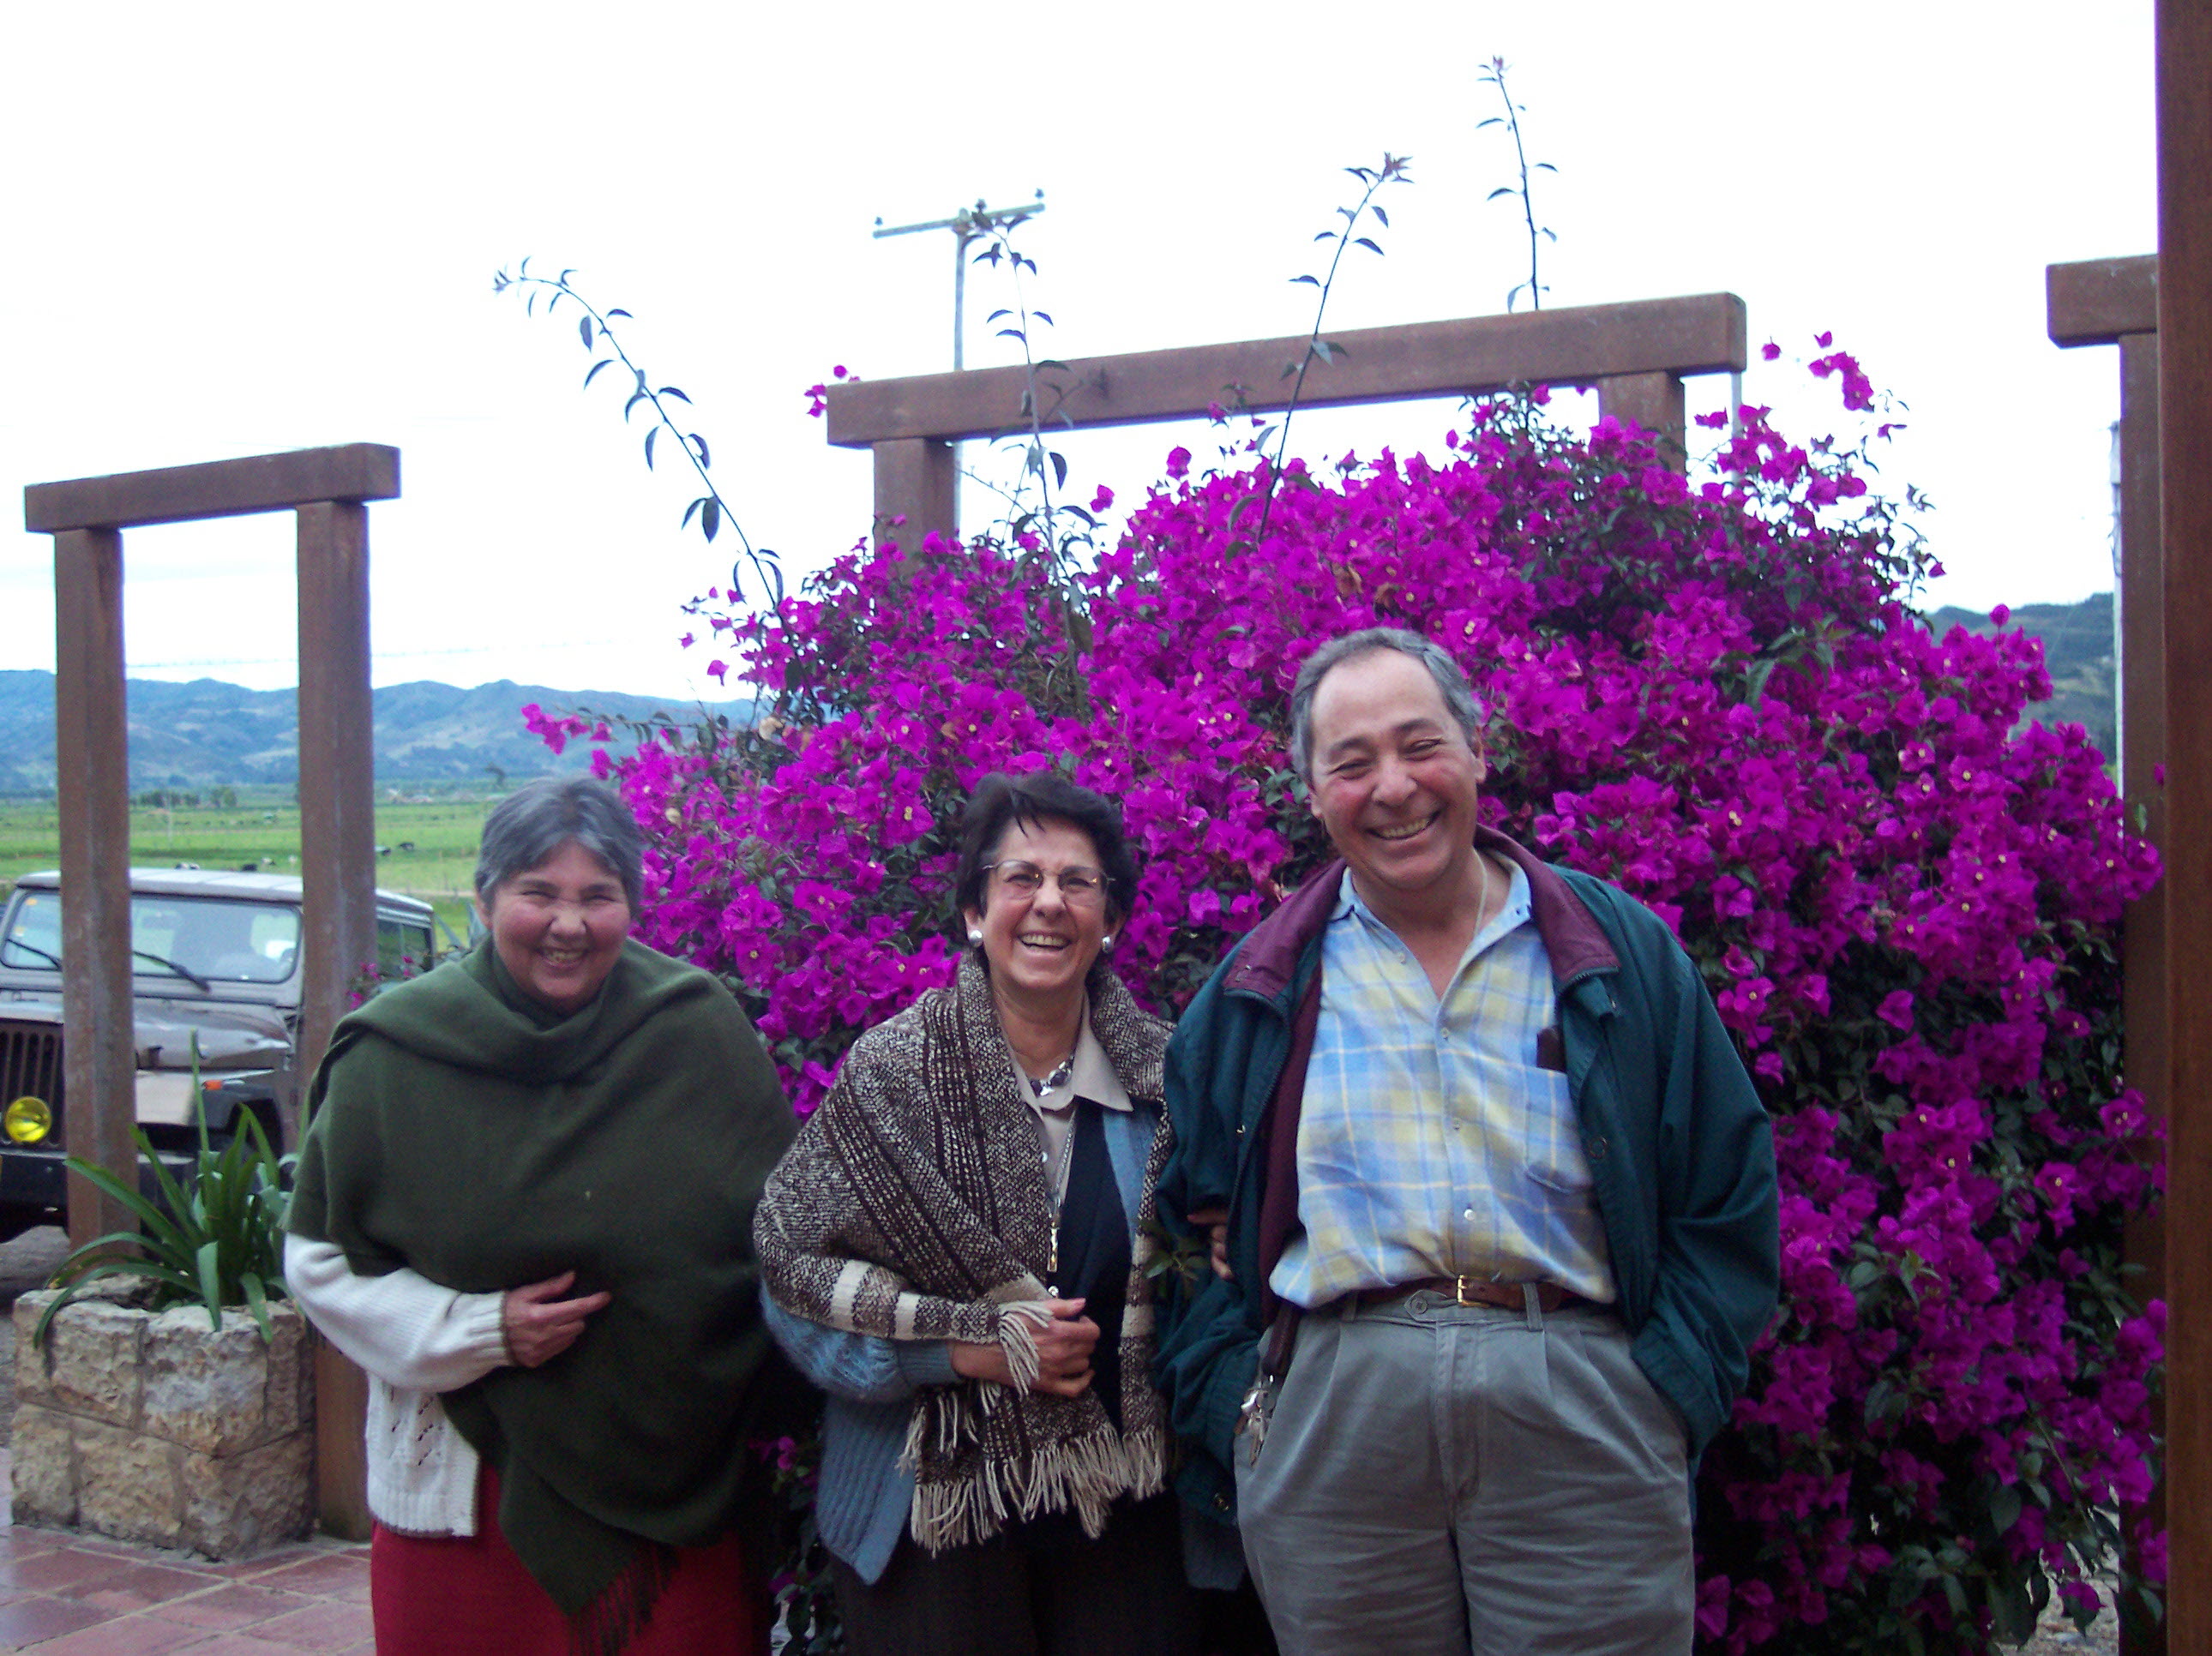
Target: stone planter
[152, 1427]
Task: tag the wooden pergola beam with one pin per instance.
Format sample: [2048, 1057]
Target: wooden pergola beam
[1704, 334]
[220, 489]
[1635, 355]
[2096, 301]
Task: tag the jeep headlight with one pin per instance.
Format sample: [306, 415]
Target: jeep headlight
[27, 1119]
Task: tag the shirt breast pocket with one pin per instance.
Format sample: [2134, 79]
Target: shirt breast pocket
[1552, 1142]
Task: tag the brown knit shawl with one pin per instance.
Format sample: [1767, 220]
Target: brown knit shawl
[913, 1207]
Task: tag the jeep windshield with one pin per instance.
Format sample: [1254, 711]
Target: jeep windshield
[204, 938]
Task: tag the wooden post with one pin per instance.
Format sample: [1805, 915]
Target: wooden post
[338, 864]
[2184, 35]
[2142, 757]
[99, 1097]
[1653, 401]
[337, 791]
[2114, 301]
[915, 479]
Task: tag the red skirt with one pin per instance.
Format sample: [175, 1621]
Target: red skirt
[471, 1596]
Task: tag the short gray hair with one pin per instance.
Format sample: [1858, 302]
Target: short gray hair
[535, 820]
[1451, 684]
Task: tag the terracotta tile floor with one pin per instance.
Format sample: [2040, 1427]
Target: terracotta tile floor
[64, 1594]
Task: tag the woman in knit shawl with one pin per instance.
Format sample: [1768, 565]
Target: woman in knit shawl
[524, 1206]
[955, 1250]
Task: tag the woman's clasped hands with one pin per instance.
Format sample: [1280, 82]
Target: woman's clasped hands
[1063, 1347]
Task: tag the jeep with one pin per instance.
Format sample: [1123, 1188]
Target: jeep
[214, 969]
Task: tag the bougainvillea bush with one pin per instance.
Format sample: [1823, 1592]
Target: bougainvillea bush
[1707, 687]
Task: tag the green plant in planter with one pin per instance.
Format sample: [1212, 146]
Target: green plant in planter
[214, 1241]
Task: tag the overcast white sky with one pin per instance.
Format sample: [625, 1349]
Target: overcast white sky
[242, 228]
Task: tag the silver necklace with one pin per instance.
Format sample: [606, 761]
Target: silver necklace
[1055, 1192]
[1059, 1078]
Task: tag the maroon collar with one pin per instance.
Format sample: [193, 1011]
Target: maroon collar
[1575, 942]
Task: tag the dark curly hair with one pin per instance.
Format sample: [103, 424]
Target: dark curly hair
[1001, 801]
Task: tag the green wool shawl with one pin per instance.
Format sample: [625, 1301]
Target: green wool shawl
[464, 1131]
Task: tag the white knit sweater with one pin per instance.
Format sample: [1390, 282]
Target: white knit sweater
[416, 1339]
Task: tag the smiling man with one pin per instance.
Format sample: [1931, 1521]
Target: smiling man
[1492, 1210]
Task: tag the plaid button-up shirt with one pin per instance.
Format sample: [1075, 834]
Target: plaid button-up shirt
[1431, 1141]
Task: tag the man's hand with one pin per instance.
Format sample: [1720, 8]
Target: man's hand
[538, 1324]
[1063, 1345]
[1215, 1223]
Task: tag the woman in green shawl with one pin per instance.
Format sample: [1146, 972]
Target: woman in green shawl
[525, 1207]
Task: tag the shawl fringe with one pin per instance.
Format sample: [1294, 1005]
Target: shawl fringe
[607, 1625]
[1084, 1476]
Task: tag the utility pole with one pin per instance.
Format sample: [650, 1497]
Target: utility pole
[966, 224]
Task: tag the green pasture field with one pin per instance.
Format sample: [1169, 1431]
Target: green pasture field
[262, 831]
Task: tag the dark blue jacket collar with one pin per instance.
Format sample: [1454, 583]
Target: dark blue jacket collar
[1267, 964]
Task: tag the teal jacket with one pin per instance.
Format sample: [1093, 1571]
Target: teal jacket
[1678, 1147]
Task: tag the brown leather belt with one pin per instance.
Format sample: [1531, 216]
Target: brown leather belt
[1473, 1290]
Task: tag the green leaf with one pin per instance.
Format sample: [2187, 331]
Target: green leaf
[584, 330]
[257, 1302]
[671, 391]
[210, 1282]
[592, 373]
[710, 517]
[158, 1225]
[623, 313]
[2004, 1506]
[649, 436]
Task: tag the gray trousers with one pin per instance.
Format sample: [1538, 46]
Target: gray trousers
[1439, 1478]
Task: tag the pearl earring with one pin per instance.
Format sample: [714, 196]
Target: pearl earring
[975, 936]
[1106, 941]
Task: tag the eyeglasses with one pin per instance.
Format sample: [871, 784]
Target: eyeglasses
[1079, 888]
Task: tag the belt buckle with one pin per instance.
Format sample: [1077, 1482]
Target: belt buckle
[1459, 1292]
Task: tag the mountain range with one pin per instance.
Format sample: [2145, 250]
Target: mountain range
[209, 733]
[2077, 650]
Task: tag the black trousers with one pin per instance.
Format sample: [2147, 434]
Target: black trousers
[1123, 1594]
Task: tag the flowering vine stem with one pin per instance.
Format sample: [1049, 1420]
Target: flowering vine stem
[1495, 75]
[1392, 171]
[596, 328]
[1040, 530]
